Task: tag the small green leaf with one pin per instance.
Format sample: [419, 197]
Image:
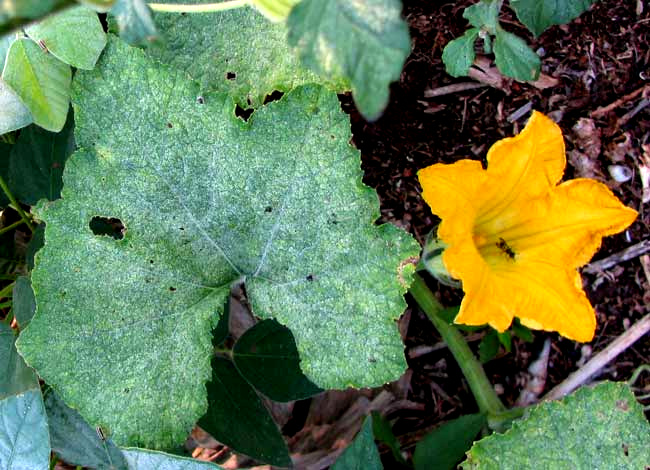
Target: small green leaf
[538, 15]
[459, 54]
[16, 377]
[24, 305]
[237, 417]
[24, 440]
[505, 339]
[76, 442]
[42, 82]
[483, 15]
[246, 56]
[267, 357]
[600, 427]
[134, 20]
[74, 35]
[365, 41]
[514, 58]
[274, 10]
[445, 446]
[15, 114]
[488, 348]
[141, 459]
[362, 454]
[383, 432]
[37, 162]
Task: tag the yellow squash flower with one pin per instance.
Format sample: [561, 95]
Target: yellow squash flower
[515, 238]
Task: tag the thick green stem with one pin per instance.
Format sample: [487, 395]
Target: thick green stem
[11, 227]
[15, 204]
[486, 398]
[200, 8]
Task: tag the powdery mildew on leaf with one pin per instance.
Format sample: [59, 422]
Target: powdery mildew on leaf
[205, 199]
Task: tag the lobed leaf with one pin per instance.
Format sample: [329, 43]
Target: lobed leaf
[599, 427]
[205, 200]
[365, 41]
[458, 56]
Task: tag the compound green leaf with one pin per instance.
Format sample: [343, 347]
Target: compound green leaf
[134, 21]
[362, 454]
[24, 440]
[458, 56]
[599, 427]
[538, 15]
[205, 200]
[15, 115]
[267, 357]
[37, 162]
[74, 35]
[365, 41]
[41, 81]
[15, 376]
[138, 459]
[76, 442]
[514, 58]
[237, 417]
[237, 52]
[24, 303]
[274, 10]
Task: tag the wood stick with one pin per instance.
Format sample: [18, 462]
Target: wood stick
[627, 254]
[610, 107]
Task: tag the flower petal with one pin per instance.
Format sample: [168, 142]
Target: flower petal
[449, 188]
[523, 167]
[566, 227]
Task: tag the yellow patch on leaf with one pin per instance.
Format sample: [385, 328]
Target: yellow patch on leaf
[516, 238]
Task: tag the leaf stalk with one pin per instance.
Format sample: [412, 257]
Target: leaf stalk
[15, 204]
[201, 8]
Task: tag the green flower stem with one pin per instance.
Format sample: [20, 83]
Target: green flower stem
[486, 398]
[12, 226]
[15, 204]
[202, 8]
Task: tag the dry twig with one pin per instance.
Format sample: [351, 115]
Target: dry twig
[627, 254]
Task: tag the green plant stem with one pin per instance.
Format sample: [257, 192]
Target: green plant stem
[7, 291]
[202, 8]
[11, 227]
[15, 203]
[486, 398]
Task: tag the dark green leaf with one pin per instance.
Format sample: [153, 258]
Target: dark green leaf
[24, 441]
[505, 339]
[35, 244]
[24, 303]
[246, 56]
[143, 459]
[362, 454]
[37, 162]
[205, 199]
[267, 357]
[489, 346]
[595, 428]
[538, 15]
[448, 314]
[76, 442]
[74, 35]
[222, 330]
[5, 155]
[41, 81]
[383, 432]
[237, 418]
[445, 446]
[134, 21]
[15, 376]
[365, 41]
[522, 332]
[483, 15]
[514, 58]
[459, 54]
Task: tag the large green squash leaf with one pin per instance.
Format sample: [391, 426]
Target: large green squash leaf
[74, 35]
[601, 427]
[238, 52]
[538, 15]
[366, 41]
[206, 200]
[24, 441]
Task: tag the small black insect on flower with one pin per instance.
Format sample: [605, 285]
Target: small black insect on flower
[503, 246]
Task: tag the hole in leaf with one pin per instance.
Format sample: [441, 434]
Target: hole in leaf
[268, 209]
[172, 289]
[626, 449]
[150, 261]
[107, 226]
[200, 100]
[231, 75]
[310, 278]
[243, 113]
[170, 125]
[274, 96]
